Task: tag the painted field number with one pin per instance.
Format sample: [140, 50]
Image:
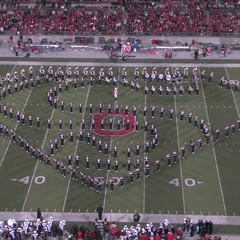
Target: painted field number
[189, 182]
[26, 180]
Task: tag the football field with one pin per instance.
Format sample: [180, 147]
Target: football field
[205, 182]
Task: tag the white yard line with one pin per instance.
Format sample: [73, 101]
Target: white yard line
[179, 157]
[36, 166]
[76, 148]
[179, 153]
[110, 149]
[9, 143]
[144, 169]
[234, 99]
[214, 152]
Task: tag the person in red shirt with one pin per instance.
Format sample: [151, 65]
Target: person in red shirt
[157, 237]
[206, 237]
[180, 233]
[170, 236]
[79, 235]
[143, 236]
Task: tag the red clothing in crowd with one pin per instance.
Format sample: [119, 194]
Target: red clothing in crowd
[206, 237]
[143, 237]
[180, 232]
[79, 235]
[170, 236]
[157, 237]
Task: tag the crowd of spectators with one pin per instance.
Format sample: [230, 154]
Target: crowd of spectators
[111, 17]
[93, 19]
[24, 20]
[43, 229]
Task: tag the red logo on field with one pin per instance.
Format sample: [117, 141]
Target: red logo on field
[99, 117]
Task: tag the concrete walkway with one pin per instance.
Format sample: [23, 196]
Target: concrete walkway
[121, 217]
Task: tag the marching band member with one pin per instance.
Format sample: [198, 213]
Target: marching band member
[168, 90]
[132, 85]
[124, 82]
[16, 76]
[137, 87]
[167, 76]
[30, 72]
[8, 77]
[174, 90]
[101, 76]
[85, 73]
[69, 72]
[153, 89]
[76, 72]
[124, 73]
[115, 93]
[235, 85]
[147, 76]
[107, 80]
[110, 73]
[115, 81]
[195, 72]
[146, 89]
[136, 73]
[160, 77]
[176, 72]
[222, 82]
[154, 74]
[92, 76]
[92, 73]
[185, 72]
[202, 76]
[23, 73]
[41, 71]
[50, 72]
[160, 90]
[178, 75]
[144, 70]
[59, 72]
[190, 89]
[210, 78]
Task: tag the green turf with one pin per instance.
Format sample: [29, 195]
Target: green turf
[203, 183]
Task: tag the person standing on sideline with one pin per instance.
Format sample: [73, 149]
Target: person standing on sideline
[100, 211]
[39, 214]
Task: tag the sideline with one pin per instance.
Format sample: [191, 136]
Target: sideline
[121, 217]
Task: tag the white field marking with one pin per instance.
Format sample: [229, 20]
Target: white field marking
[144, 169]
[5, 153]
[36, 166]
[110, 149]
[214, 152]
[179, 157]
[9, 143]
[234, 99]
[75, 152]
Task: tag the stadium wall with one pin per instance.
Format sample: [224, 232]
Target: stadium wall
[144, 39]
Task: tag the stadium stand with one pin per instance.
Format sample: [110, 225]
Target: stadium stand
[111, 17]
[94, 19]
